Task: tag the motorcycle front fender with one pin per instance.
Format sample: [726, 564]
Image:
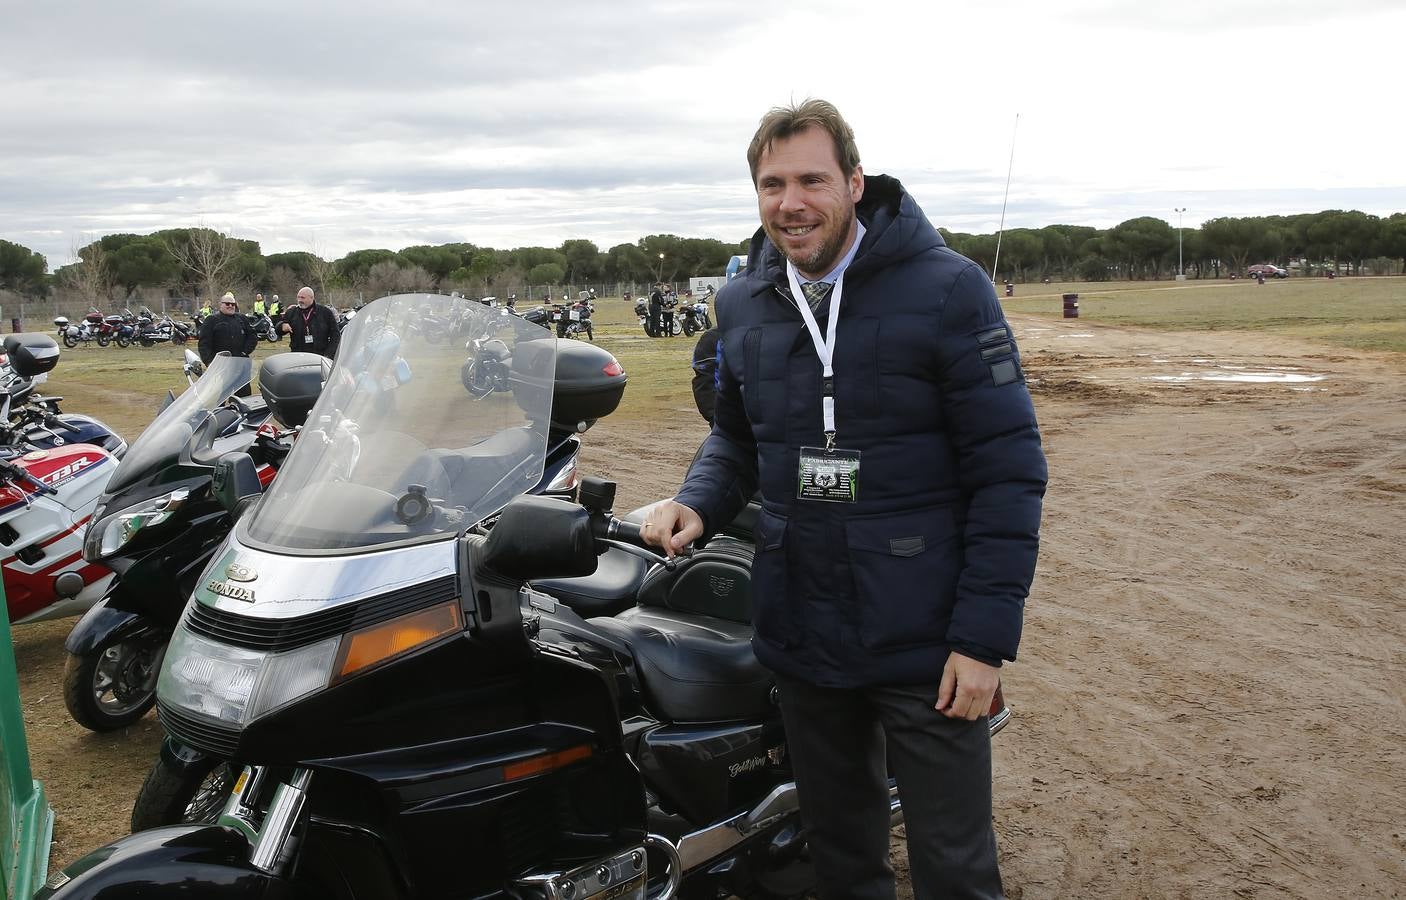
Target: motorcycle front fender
[207, 861]
[104, 621]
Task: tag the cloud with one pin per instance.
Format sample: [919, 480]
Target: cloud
[365, 124]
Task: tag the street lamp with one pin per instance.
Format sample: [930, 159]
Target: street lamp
[659, 276]
[1181, 267]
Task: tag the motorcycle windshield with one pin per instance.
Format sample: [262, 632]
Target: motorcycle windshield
[163, 440]
[397, 450]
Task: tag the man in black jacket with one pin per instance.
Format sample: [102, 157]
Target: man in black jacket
[886, 603]
[227, 331]
[310, 327]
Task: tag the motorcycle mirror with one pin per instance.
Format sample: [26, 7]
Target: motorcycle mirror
[234, 479]
[541, 537]
[193, 364]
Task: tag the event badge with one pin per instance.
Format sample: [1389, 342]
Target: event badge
[831, 475]
[307, 339]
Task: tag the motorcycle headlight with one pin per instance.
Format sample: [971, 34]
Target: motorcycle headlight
[236, 684]
[111, 534]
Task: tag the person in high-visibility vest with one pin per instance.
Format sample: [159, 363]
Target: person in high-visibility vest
[259, 309]
[275, 308]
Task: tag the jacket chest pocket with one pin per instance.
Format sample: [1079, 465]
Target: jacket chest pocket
[905, 568]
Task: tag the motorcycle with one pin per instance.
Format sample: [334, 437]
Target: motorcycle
[694, 317]
[47, 493]
[152, 329]
[572, 321]
[91, 329]
[527, 752]
[187, 786]
[155, 526]
[263, 326]
[578, 321]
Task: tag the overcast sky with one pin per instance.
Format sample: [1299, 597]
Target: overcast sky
[349, 125]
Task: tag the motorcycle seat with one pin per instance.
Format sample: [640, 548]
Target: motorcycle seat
[693, 668]
[249, 406]
[607, 591]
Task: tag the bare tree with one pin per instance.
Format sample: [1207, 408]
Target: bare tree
[322, 271]
[208, 254]
[88, 276]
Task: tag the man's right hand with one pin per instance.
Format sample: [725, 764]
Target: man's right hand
[285, 327]
[671, 526]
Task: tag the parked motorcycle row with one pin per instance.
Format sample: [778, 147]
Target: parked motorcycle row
[124, 329]
[401, 648]
[688, 316]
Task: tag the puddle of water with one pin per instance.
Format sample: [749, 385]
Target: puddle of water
[1241, 377]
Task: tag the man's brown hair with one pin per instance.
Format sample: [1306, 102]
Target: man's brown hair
[783, 122]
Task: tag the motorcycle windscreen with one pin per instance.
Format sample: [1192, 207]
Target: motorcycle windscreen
[166, 437]
[397, 450]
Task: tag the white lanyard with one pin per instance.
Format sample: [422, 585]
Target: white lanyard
[825, 349]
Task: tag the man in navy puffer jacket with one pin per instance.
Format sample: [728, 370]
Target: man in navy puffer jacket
[901, 487]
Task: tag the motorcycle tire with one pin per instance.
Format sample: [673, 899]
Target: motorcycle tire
[70, 341]
[103, 340]
[688, 327]
[147, 342]
[176, 795]
[122, 341]
[590, 333]
[102, 688]
[179, 337]
[473, 382]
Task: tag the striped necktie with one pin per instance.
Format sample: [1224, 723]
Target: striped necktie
[816, 292]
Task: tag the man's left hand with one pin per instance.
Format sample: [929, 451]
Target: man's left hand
[967, 688]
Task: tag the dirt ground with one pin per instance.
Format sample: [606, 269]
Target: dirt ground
[1211, 694]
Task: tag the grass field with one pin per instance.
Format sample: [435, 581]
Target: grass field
[1363, 313]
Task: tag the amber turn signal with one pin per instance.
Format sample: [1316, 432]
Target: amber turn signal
[378, 643]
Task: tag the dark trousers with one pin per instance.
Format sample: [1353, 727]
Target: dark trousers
[838, 740]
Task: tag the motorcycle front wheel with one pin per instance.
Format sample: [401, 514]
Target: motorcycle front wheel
[103, 340]
[179, 337]
[194, 793]
[688, 327]
[475, 382]
[122, 340]
[106, 688]
[70, 341]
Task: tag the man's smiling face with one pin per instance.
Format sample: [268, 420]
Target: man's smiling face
[806, 203]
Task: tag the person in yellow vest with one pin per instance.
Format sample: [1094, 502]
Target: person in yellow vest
[275, 308]
[206, 310]
[259, 309]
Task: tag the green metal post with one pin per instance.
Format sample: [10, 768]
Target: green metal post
[26, 821]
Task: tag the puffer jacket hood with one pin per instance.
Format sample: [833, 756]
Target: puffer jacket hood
[895, 230]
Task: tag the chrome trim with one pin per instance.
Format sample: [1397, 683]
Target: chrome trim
[700, 846]
[623, 875]
[666, 847]
[291, 586]
[272, 850]
[1000, 720]
[240, 810]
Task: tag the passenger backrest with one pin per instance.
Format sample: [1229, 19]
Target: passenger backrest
[715, 581]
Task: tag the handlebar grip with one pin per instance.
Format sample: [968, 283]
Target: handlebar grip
[628, 532]
[56, 422]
